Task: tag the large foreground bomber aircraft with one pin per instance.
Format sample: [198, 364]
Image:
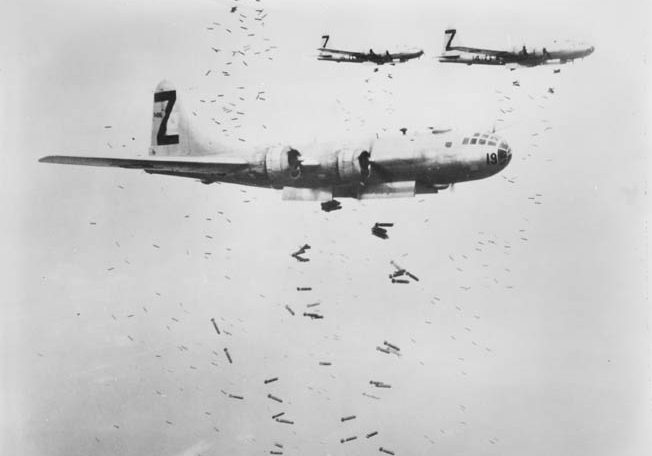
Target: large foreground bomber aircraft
[523, 56]
[400, 166]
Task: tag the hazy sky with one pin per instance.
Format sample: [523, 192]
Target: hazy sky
[528, 331]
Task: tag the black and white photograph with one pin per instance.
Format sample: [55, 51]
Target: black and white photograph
[336, 227]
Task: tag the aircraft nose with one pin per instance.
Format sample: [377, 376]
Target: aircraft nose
[504, 153]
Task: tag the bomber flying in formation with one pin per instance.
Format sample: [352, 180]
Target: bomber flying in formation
[524, 56]
[338, 55]
[385, 167]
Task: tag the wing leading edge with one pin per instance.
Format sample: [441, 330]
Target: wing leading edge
[339, 51]
[491, 52]
[179, 167]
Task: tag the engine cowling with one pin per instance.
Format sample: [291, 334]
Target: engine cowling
[353, 165]
[283, 165]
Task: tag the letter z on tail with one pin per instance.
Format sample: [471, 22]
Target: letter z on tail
[172, 137]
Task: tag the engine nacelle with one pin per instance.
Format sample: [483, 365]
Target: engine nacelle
[353, 165]
[283, 166]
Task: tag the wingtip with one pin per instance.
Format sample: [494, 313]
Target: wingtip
[54, 159]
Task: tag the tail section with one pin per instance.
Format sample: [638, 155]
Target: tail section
[449, 34]
[169, 125]
[325, 39]
[172, 132]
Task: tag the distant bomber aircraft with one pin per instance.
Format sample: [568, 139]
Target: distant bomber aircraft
[336, 55]
[400, 166]
[523, 57]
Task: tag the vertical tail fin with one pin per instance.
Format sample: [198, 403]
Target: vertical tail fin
[449, 34]
[175, 134]
[170, 126]
[325, 42]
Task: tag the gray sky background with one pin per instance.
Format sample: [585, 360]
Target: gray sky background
[106, 339]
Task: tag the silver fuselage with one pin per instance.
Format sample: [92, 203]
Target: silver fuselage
[430, 161]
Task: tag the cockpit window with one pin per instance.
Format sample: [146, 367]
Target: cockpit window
[474, 140]
[492, 143]
[476, 134]
[503, 145]
[448, 144]
[466, 141]
[482, 141]
[486, 135]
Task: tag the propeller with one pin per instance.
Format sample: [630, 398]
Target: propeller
[369, 167]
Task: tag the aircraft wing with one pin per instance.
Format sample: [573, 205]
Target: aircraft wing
[469, 61]
[205, 167]
[491, 52]
[403, 55]
[330, 58]
[349, 53]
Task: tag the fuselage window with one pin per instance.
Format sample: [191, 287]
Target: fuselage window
[466, 141]
[474, 140]
[448, 144]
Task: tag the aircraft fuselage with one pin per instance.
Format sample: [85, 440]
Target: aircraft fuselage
[429, 163]
[524, 56]
[529, 59]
